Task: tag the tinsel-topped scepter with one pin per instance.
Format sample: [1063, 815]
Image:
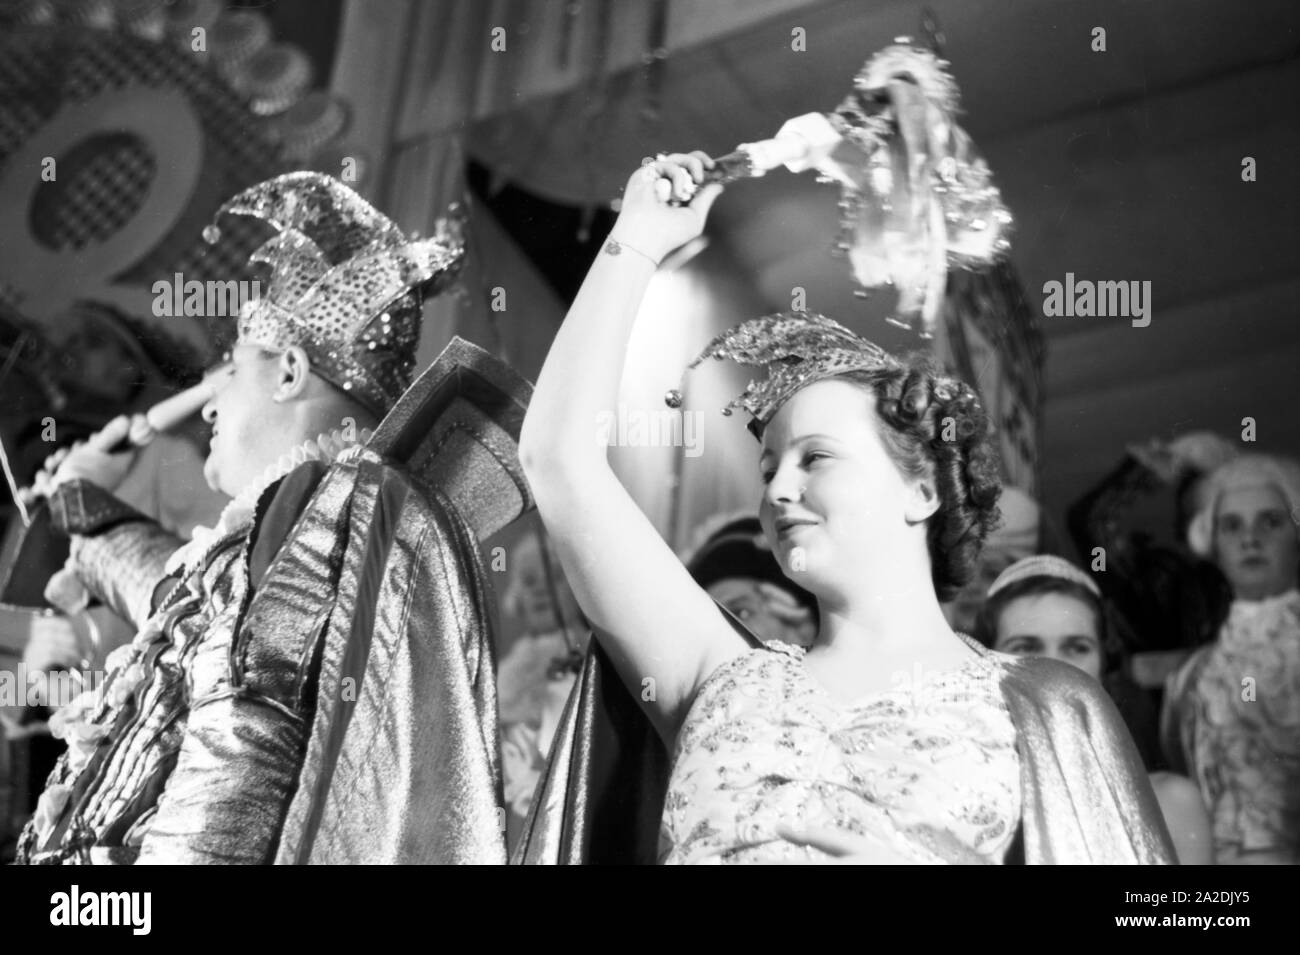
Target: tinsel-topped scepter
[917, 196]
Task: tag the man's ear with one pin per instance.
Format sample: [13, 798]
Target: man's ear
[292, 372]
[922, 500]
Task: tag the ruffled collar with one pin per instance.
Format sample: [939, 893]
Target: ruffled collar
[1267, 625]
[238, 514]
[1268, 608]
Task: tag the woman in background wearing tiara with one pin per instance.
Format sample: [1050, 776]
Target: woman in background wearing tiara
[893, 739]
[1043, 605]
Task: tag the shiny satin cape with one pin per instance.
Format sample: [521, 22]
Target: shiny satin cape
[1086, 797]
[333, 694]
[401, 761]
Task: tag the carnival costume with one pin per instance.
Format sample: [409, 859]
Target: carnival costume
[1004, 759]
[312, 678]
[1231, 717]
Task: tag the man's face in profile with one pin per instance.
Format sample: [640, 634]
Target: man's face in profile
[241, 414]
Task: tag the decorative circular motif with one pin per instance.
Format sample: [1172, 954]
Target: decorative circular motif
[102, 184]
[163, 122]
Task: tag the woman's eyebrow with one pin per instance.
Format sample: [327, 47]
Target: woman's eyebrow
[801, 439]
[810, 437]
[1246, 518]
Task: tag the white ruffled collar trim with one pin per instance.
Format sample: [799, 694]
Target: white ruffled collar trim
[1269, 603]
[327, 448]
[1268, 607]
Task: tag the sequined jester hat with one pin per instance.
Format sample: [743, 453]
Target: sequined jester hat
[346, 285]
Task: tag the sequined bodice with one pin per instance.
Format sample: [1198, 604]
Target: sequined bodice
[764, 743]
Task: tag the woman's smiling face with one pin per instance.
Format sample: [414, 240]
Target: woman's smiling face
[833, 498]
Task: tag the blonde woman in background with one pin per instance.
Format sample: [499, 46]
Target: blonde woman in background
[1232, 711]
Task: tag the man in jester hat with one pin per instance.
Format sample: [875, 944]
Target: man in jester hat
[312, 679]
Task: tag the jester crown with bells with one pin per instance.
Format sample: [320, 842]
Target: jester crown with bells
[796, 350]
[346, 285]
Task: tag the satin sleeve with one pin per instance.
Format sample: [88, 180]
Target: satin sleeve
[118, 553]
[224, 802]
[239, 761]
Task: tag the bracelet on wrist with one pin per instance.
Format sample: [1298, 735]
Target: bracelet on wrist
[615, 247]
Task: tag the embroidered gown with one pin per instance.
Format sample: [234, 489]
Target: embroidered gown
[1006, 759]
[1233, 716]
[928, 766]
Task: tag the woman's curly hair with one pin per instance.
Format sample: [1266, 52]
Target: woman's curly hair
[935, 428]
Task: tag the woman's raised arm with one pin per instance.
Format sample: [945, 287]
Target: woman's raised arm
[662, 630]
